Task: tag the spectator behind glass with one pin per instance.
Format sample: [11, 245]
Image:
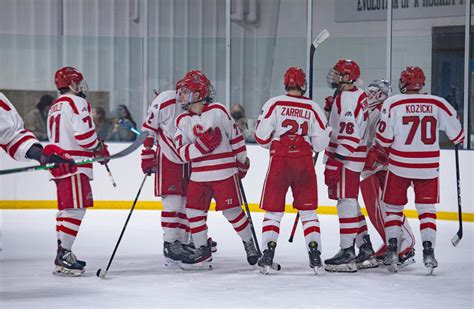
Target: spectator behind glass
[119, 132]
[103, 126]
[35, 120]
[238, 113]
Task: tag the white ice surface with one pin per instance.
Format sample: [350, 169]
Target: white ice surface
[137, 279]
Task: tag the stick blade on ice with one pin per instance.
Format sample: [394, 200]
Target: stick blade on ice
[101, 273]
[456, 239]
[322, 36]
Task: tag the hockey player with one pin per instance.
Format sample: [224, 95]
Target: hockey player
[21, 144]
[292, 127]
[373, 178]
[71, 127]
[345, 159]
[208, 138]
[171, 173]
[409, 125]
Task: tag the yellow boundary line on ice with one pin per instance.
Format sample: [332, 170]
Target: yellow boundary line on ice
[156, 205]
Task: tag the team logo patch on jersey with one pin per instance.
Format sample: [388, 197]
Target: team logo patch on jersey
[198, 130]
[348, 114]
[89, 196]
[172, 188]
[84, 109]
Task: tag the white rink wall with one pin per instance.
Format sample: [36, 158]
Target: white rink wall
[34, 186]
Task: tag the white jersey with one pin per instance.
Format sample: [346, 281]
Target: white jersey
[410, 125]
[221, 163]
[349, 119]
[374, 117]
[297, 115]
[14, 138]
[161, 123]
[70, 126]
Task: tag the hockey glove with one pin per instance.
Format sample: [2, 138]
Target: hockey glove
[55, 154]
[376, 154]
[208, 141]
[329, 102]
[333, 172]
[103, 152]
[243, 168]
[149, 164]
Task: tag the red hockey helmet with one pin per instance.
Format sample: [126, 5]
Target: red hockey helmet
[342, 68]
[295, 78]
[412, 78]
[69, 77]
[194, 82]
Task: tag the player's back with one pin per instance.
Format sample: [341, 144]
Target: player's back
[415, 121]
[70, 126]
[161, 122]
[349, 120]
[291, 115]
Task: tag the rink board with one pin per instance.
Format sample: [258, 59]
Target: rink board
[34, 191]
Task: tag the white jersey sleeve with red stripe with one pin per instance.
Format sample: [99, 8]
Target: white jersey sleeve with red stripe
[349, 119]
[410, 125]
[221, 163]
[287, 114]
[161, 123]
[14, 138]
[71, 127]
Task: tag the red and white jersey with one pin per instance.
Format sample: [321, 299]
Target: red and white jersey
[70, 126]
[288, 114]
[221, 163]
[14, 138]
[349, 119]
[161, 123]
[410, 125]
[374, 117]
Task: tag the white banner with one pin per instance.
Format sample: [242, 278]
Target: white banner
[369, 10]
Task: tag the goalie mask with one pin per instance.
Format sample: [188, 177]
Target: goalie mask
[337, 75]
[194, 88]
[69, 77]
[377, 92]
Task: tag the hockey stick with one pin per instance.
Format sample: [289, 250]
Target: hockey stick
[457, 237]
[101, 274]
[140, 139]
[275, 266]
[322, 36]
[247, 210]
[108, 169]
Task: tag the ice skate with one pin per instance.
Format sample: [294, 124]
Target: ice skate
[190, 246]
[428, 257]
[66, 264]
[406, 259]
[83, 263]
[343, 261]
[366, 257]
[380, 254]
[173, 254]
[315, 257]
[266, 261]
[252, 255]
[391, 258]
[199, 259]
